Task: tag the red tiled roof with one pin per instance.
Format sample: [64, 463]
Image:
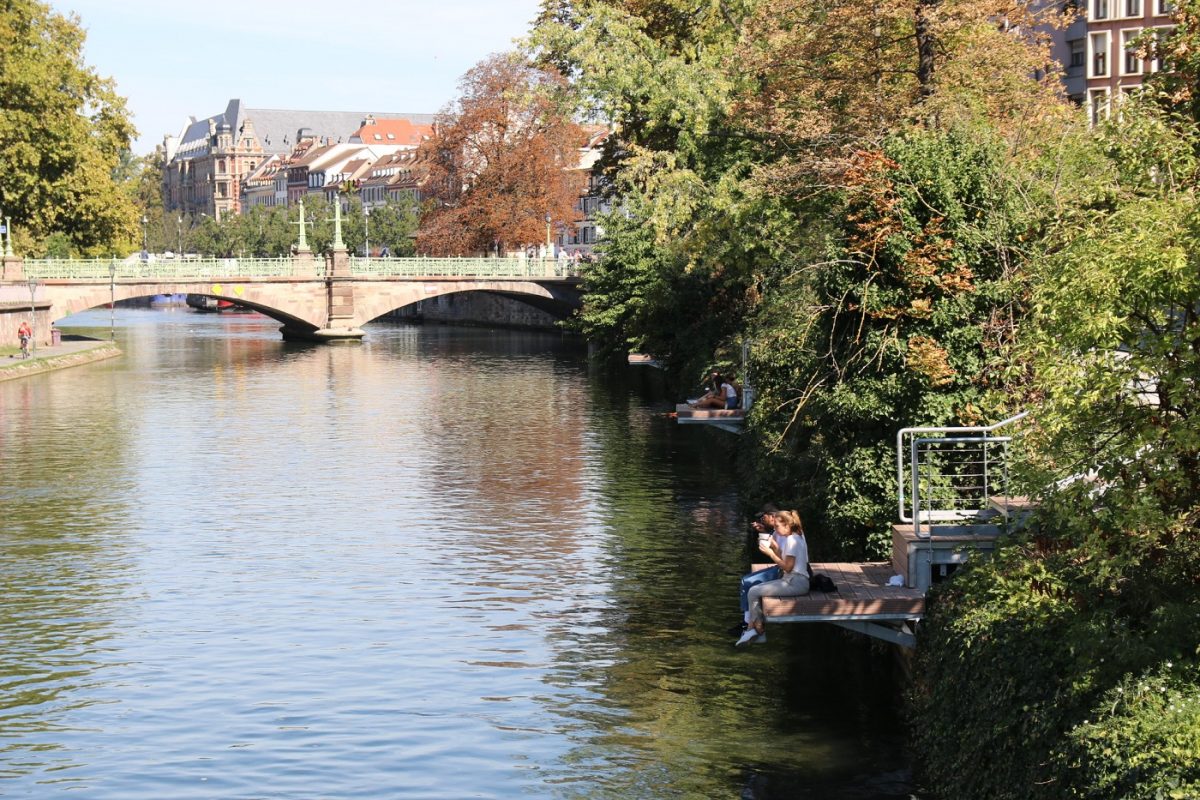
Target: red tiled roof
[393, 131]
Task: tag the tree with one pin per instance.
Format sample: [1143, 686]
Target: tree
[681, 260]
[503, 159]
[1068, 665]
[394, 226]
[63, 132]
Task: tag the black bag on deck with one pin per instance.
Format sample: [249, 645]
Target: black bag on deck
[821, 583]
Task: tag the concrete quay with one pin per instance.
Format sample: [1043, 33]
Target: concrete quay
[70, 352]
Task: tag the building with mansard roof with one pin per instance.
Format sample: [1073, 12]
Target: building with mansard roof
[208, 161]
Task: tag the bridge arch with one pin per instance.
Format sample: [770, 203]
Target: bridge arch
[383, 297]
[299, 306]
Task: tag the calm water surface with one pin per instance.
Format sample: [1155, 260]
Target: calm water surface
[447, 563]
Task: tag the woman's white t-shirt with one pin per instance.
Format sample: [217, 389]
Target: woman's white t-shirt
[796, 546]
[728, 389]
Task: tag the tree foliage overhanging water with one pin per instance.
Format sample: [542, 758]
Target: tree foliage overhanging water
[896, 205]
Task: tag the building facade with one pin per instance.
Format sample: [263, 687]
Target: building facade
[208, 162]
[1116, 64]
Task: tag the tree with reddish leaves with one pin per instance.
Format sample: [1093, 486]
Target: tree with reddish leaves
[503, 161]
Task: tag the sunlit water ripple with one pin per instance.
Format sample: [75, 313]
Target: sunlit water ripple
[445, 563]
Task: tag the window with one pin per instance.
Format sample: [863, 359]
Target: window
[1100, 9]
[1078, 53]
[1164, 7]
[1132, 63]
[1097, 105]
[1099, 55]
[1133, 8]
[1156, 48]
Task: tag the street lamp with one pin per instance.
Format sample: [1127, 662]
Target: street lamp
[112, 300]
[549, 244]
[145, 245]
[33, 284]
[179, 235]
[366, 231]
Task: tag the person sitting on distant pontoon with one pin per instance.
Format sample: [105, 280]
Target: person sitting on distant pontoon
[714, 397]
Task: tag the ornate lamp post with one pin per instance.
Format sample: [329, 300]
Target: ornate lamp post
[179, 235]
[112, 301]
[366, 231]
[549, 244]
[145, 240]
[33, 284]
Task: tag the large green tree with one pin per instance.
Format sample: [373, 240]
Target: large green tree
[692, 238]
[63, 132]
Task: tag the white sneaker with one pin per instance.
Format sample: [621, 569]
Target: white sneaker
[747, 637]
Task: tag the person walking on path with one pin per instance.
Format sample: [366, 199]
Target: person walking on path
[789, 550]
[24, 334]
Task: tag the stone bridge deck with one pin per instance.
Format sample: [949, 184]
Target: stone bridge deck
[319, 300]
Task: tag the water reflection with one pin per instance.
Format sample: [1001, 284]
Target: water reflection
[446, 563]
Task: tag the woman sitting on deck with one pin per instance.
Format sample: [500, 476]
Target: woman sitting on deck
[763, 527]
[714, 397]
[789, 550]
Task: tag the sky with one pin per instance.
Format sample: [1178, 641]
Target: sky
[175, 60]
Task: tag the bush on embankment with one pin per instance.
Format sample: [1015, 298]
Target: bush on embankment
[1069, 664]
[1046, 674]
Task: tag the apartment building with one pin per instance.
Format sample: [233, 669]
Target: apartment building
[207, 163]
[1115, 64]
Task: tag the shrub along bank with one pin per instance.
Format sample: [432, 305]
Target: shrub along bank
[1068, 665]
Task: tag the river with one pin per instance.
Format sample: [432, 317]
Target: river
[444, 563]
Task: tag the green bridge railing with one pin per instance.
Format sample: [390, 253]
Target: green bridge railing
[224, 268]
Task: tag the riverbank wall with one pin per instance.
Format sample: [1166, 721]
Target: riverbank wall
[71, 352]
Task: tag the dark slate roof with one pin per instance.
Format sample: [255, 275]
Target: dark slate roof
[276, 128]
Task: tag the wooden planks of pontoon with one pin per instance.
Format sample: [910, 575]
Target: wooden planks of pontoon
[863, 595]
[684, 411]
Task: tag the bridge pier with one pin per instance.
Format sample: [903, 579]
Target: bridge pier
[339, 305]
[12, 268]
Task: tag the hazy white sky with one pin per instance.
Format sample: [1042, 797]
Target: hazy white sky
[173, 60]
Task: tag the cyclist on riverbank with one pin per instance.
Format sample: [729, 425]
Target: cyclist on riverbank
[24, 334]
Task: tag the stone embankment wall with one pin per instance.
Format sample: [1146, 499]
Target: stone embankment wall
[56, 358]
[477, 308]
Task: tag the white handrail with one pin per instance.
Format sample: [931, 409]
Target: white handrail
[943, 435]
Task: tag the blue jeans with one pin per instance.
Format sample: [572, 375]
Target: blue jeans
[753, 579]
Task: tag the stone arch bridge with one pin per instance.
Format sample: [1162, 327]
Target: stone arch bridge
[326, 301]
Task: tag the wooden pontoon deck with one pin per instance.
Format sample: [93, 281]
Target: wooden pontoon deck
[730, 419]
[864, 602]
[643, 360]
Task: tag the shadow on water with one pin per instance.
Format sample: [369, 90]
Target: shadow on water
[674, 710]
[448, 562]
